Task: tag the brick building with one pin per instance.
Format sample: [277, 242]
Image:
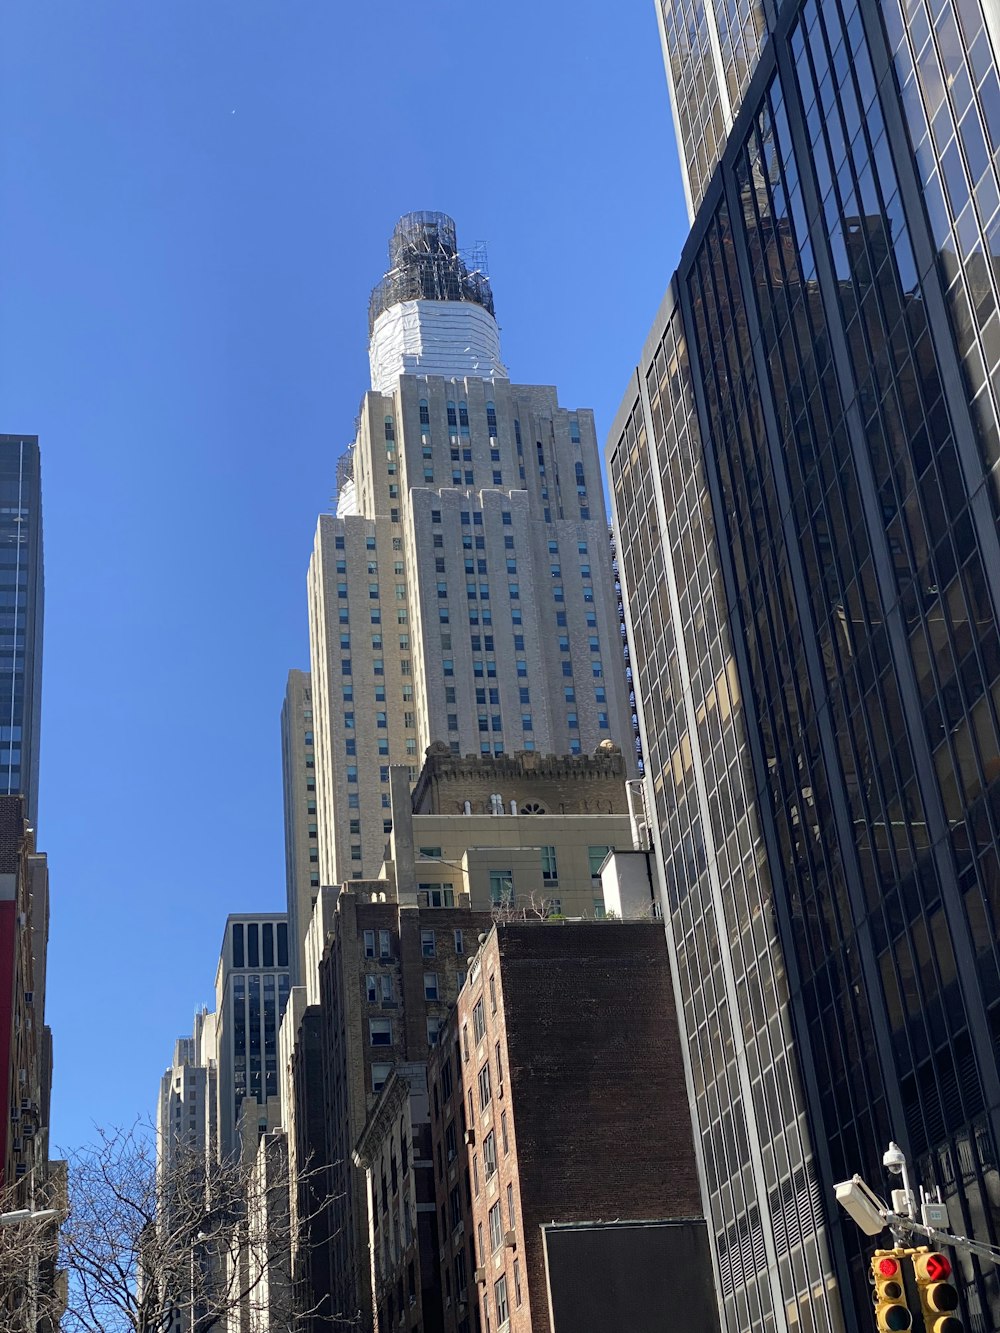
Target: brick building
[395, 1152]
[25, 1041]
[557, 1097]
[389, 973]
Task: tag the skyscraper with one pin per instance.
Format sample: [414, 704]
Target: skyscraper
[806, 478]
[251, 988]
[22, 599]
[463, 591]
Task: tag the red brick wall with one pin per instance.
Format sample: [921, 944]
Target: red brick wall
[598, 1121]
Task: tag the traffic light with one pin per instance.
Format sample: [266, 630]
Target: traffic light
[892, 1315]
[938, 1295]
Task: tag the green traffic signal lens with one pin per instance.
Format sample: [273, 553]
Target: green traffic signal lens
[942, 1296]
[897, 1319]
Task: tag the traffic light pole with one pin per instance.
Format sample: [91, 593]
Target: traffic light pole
[906, 1225]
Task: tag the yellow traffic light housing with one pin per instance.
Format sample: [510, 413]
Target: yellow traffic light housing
[938, 1294]
[892, 1314]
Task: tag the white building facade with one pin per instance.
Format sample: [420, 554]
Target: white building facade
[463, 592]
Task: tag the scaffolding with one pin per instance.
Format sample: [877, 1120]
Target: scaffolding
[425, 264]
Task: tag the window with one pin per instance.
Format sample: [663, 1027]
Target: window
[427, 943]
[595, 856]
[385, 986]
[493, 994]
[369, 944]
[490, 1154]
[438, 895]
[479, 1020]
[372, 990]
[384, 944]
[501, 887]
[485, 1090]
[511, 1219]
[380, 1031]
[496, 1227]
[550, 872]
[503, 1133]
[517, 1282]
[380, 1073]
[451, 1141]
[434, 1026]
[459, 942]
[431, 986]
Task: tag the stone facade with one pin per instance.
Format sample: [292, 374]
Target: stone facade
[550, 784]
[463, 593]
[557, 1095]
[525, 832]
[395, 1153]
[298, 772]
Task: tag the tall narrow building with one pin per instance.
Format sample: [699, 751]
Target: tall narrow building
[251, 990]
[463, 591]
[22, 599]
[806, 481]
[298, 774]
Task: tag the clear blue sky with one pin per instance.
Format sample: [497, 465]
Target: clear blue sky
[196, 199]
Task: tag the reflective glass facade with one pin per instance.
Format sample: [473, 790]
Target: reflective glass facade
[22, 598]
[710, 50]
[805, 477]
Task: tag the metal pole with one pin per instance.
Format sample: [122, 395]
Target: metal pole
[26, 1215]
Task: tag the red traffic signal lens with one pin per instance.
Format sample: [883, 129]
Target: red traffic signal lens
[937, 1267]
[887, 1267]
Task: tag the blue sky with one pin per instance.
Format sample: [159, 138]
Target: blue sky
[197, 197]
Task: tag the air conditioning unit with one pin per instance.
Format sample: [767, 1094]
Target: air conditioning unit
[28, 1132]
[479, 1275]
[510, 1239]
[469, 1136]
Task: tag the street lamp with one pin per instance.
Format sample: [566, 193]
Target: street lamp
[26, 1215]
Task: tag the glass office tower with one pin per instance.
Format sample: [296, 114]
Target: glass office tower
[806, 479]
[22, 597]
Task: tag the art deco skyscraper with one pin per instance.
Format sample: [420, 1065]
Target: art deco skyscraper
[806, 478]
[463, 591]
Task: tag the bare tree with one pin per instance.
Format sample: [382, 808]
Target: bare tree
[30, 1296]
[196, 1246]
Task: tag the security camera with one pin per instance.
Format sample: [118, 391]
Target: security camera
[861, 1204]
[894, 1159]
